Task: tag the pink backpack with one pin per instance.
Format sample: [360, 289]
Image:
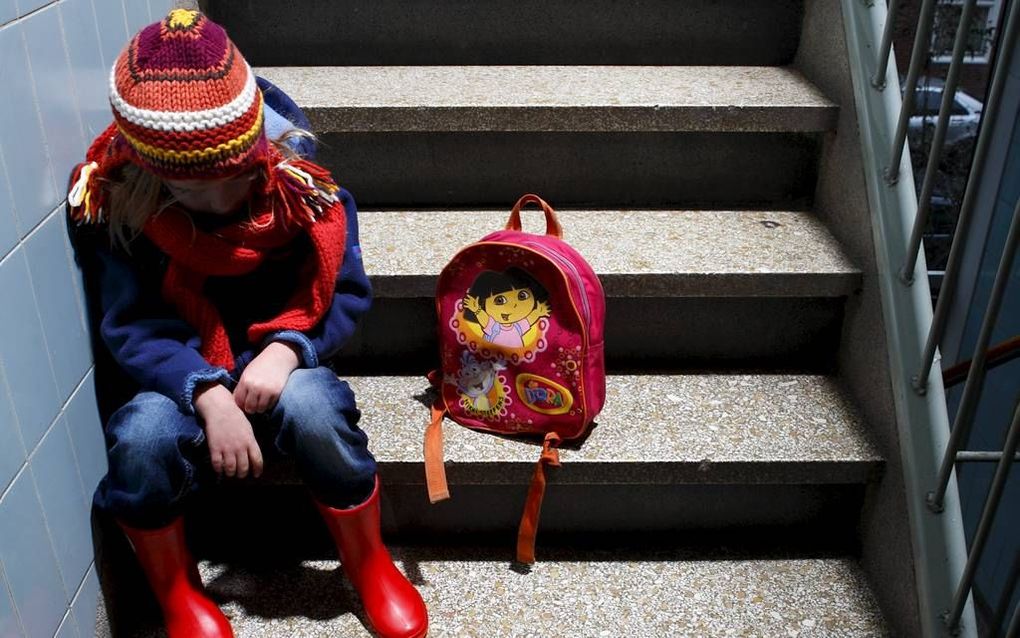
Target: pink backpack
[521, 319]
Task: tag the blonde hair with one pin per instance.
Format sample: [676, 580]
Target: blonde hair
[135, 194]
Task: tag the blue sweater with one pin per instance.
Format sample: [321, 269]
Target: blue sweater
[159, 350]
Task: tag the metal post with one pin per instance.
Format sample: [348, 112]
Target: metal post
[935, 153]
[976, 378]
[987, 517]
[917, 57]
[952, 273]
[886, 47]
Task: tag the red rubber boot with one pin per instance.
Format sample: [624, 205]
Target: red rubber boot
[393, 606]
[173, 576]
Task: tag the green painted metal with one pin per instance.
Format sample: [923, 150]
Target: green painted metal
[939, 545]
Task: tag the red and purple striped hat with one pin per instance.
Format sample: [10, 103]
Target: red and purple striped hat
[185, 100]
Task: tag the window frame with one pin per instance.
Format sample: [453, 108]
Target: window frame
[994, 9]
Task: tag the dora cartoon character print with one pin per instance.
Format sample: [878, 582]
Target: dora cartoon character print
[506, 306]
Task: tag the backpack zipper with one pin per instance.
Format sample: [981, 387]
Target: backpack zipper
[573, 269]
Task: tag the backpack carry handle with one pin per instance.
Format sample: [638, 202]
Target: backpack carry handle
[552, 224]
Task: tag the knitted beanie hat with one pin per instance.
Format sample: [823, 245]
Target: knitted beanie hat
[186, 101]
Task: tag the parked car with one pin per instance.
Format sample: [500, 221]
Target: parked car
[963, 118]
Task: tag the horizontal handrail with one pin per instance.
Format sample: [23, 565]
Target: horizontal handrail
[970, 456]
[997, 355]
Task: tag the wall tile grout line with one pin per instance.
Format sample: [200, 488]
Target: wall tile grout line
[26, 16]
[78, 293]
[10, 595]
[60, 414]
[127, 27]
[74, 450]
[14, 212]
[72, 88]
[17, 428]
[68, 618]
[46, 341]
[17, 475]
[99, 36]
[81, 584]
[47, 146]
[33, 231]
[87, 141]
[48, 527]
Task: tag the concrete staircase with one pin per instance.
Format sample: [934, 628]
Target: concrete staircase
[742, 479]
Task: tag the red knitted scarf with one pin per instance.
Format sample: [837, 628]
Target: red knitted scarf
[296, 196]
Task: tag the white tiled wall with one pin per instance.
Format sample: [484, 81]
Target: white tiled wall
[54, 57]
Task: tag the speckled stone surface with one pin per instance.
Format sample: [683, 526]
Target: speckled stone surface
[555, 98]
[591, 594]
[636, 253]
[703, 428]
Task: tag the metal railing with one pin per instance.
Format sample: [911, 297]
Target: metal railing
[941, 483]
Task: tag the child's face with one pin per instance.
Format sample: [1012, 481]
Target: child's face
[215, 196]
[510, 306]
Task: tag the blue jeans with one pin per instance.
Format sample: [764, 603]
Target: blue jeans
[158, 456]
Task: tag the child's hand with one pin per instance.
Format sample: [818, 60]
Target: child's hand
[232, 446]
[471, 303]
[262, 382]
[543, 309]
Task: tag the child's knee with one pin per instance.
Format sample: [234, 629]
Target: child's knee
[150, 429]
[314, 395]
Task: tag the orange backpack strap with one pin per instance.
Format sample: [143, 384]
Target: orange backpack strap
[435, 473]
[552, 223]
[533, 505]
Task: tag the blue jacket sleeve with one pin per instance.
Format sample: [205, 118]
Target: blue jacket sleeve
[158, 349]
[351, 299]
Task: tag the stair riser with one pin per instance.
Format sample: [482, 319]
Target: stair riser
[398, 336]
[415, 170]
[614, 509]
[597, 514]
[396, 32]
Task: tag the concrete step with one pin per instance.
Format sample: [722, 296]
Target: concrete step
[465, 136]
[435, 99]
[392, 32]
[685, 288]
[697, 428]
[636, 253]
[476, 592]
[669, 453]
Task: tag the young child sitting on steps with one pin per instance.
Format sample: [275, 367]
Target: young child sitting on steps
[227, 272]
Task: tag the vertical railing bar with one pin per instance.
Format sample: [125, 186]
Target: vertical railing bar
[1013, 631]
[987, 518]
[935, 152]
[1008, 590]
[976, 377]
[886, 48]
[918, 55]
[988, 119]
